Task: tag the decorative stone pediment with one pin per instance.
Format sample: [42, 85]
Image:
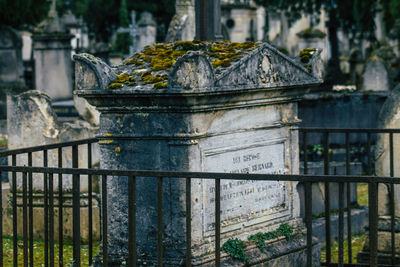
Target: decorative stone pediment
[197, 66]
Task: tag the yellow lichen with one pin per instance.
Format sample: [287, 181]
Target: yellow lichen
[305, 57]
[148, 78]
[161, 57]
[115, 86]
[124, 78]
[221, 63]
[160, 85]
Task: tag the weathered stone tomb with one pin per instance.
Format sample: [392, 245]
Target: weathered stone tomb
[200, 106]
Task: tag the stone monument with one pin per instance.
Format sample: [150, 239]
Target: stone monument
[147, 30]
[32, 121]
[182, 26]
[52, 54]
[11, 66]
[199, 106]
[376, 76]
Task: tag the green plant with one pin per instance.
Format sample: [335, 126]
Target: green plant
[235, 248]
[317, 149]
[285, 230]
[259, 238]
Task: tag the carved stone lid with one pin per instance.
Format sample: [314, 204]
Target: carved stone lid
[196, 66]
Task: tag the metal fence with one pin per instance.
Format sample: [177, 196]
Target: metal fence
[49, 175]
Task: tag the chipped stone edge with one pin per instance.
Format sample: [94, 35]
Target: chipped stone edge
[98, 68]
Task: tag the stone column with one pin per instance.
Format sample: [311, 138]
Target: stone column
[238, 121]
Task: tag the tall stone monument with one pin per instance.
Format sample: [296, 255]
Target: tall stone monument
[182, 26]
[199, 106]
[52, 54]
[147, 30]
[11, 67]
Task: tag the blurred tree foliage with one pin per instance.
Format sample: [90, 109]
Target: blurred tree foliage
[354, 17]
[21, 13]
[103, 17]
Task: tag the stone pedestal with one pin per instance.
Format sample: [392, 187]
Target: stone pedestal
[236, 119]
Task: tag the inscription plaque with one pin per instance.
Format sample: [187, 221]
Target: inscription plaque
[244, 200]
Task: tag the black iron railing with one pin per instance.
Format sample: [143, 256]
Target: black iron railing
[48, 197]
[77, 172]
[373, 192]
[217, 177]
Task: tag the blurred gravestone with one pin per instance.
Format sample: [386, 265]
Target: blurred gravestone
[52, 54]
[376, 76]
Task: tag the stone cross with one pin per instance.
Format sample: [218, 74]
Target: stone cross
[208, 20]
[134, 33]
[53, 10]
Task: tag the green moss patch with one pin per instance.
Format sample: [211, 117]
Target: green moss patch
[115, 86]
[163, 56]
[152, 64]
[305, 57]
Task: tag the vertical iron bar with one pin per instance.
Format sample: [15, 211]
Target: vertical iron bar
[30, 211]
[14, 194]
[160, 222]
[188, 222]
[305, 152]
[25, 217]
[51, 219]
[104, 212]
[1, 222]
[46, 211]
[60, 211]
[341, 223]
[217, 222]
[327, 200]
[369, 168]
[132, 220]
[76, 209]
[373, 223]
[90, 203]
[391, 201]
[349, 236]
[308, 198]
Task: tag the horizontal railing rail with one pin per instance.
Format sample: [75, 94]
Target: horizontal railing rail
[162, 175]
[47, 147]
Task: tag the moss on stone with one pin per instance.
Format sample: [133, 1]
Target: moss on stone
[124, 78]
[305, 57]
[148, 78]
[221, 63]
[159, 58]
[115, 86]
[160, 85]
